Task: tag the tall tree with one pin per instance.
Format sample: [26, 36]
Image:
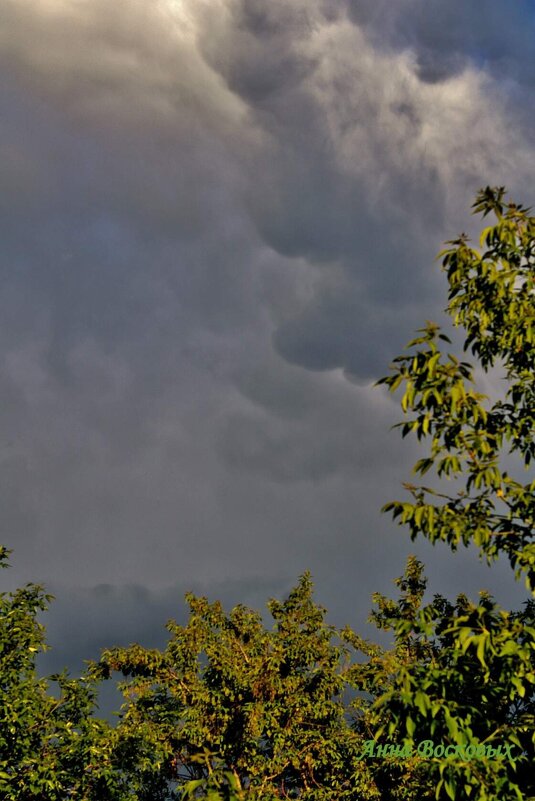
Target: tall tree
[232, 708]
[492, 299]
[472, 680]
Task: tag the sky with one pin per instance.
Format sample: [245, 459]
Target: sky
[219, 222]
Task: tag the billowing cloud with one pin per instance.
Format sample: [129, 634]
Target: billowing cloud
[445, 38]
[218, 225]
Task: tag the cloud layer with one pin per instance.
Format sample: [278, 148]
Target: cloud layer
[218, 223]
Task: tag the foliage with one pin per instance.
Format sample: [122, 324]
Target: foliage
[473, 672]
[50, 745]
[465, 675]
[233, 707]
[229, 710]
[492, 297]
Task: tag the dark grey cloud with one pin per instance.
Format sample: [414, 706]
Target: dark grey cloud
[341, 329]
[357, 142]
[447, 37]
[83, 621]
[280, 434]
[218, 225]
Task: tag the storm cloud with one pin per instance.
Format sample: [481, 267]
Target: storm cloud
[218, 224]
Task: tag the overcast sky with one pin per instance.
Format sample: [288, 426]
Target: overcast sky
[218, 223]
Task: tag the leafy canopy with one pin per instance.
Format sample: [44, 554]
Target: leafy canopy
[234, 707]
[473, 439]
[472, 678]
[51, 746]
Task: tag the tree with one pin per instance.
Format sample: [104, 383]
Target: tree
[464, 678]
[231, 707]
[491, 297]
[472, 678]
[51, 746]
